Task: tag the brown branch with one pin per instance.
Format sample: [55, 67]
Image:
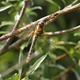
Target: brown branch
[64, 72]
[60, 32]
[21, 14]
[61, 56]
[46, 21]
[15, 27]
[15, 44]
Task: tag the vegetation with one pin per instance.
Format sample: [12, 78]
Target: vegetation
[39, 40]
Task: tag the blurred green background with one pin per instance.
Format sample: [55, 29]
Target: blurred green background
[65, 44]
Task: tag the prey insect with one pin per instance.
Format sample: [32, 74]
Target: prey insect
[38, 31]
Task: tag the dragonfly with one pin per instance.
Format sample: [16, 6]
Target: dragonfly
[37, 32]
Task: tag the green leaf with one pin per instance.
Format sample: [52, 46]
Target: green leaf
[64, 42]
[23, 45]
[5, 23]
[37, 7]
[62, 48]
[52, 2]
[3, 32]
[20, 63]
[77, 34]
[74, 2]
[28, 10]
[52, 56]
[36, 65]
[64, 2]
[14, 77]
[58, 66]
[24, 79]
[32, 13]
[76, 74]
[4, 8]
[21, 57]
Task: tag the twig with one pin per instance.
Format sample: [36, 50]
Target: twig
[60, 32]
[15, 26]
[61, 56]
[64, 72]
[21, 14]
[46, 21]
[16, 44]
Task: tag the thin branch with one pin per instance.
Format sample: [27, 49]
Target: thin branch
[16, 44]
[46, 21]
[60, 32]
[61, 56]
[21, 14]
[64, 72]
[15, 26]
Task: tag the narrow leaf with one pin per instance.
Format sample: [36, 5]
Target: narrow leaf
[37, 7]
[28, 10]
[25, 78]
[36, 65]
[3, 32]
[74, 2]
[58, 66]
[52, 2]
[64, 2]
[77, 34]
[14, 77]
[6, 23]
[76, 74]
[20, 63]
[4, 8]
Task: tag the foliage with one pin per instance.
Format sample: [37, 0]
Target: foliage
[59, 51]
